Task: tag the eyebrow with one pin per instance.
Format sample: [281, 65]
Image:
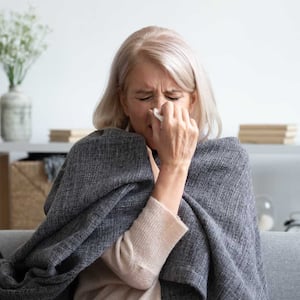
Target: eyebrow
[143, 91]
[173, 91]
[150, 91]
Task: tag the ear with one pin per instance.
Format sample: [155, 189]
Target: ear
[123, 102]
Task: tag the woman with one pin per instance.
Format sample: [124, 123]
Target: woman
[153, 70]
[147, 206]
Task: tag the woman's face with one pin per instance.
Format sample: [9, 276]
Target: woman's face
[149, 86]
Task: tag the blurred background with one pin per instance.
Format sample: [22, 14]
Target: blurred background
[250, 50]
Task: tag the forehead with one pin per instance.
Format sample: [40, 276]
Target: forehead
[148, 75]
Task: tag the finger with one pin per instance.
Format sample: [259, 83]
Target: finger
[167, 110]
[186, 116]
[195, 127]
[178, 113]
[194, 123]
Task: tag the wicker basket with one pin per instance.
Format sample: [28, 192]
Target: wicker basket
[29, 188]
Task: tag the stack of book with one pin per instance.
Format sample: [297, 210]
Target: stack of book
[267, 133]
[68, 135]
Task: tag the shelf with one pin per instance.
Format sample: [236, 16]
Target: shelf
[272, 149]
[53, 147]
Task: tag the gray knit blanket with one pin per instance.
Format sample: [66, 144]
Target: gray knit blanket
[104, 184]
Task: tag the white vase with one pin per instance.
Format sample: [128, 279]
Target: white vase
[15, 116]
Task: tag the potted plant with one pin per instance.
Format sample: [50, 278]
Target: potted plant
[22, 41]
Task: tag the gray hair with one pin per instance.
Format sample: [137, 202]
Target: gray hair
[166, 48]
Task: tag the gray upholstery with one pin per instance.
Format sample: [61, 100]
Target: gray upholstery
[281, 255]
[11, 239]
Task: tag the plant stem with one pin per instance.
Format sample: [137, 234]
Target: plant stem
[10, 76]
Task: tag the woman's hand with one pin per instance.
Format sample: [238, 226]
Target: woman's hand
[175, 140]
[176, 136]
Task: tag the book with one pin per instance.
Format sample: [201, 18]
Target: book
[68, 135]
[71, 132]
[289, 127]
[266, 140]
[269, 133]
[65, 139]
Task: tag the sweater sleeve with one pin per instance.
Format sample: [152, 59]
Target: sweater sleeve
[139, 254]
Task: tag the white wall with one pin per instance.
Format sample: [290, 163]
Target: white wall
[250, 49]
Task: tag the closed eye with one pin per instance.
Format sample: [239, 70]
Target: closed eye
[173, 95]
[173, 98]
[144, 98]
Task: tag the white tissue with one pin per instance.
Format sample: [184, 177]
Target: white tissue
[157, 114]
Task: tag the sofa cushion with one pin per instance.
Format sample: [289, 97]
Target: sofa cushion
[281, 257]
[280, 251]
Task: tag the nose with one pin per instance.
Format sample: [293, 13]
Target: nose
[159, 101]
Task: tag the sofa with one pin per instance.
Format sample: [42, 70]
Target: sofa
[280, 250]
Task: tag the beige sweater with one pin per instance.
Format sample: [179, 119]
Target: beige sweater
[129, 269]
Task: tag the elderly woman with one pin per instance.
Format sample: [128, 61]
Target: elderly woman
[150, 206]
[153, 70]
